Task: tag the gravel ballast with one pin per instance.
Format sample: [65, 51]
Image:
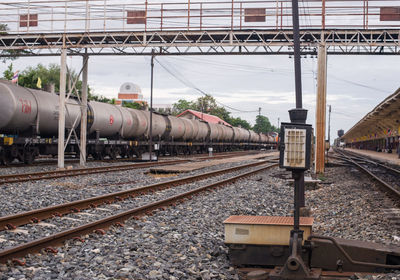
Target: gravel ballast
[186, 241]
[25, 196]
[50, 226]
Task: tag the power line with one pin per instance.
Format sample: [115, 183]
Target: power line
[359, 84]
[186, 82]
[260, 69]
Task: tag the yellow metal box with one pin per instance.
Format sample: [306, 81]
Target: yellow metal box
[263, 230]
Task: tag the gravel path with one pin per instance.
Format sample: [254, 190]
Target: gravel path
[186, 241]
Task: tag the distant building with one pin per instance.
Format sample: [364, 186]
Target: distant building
[195, 115]
[130, 92]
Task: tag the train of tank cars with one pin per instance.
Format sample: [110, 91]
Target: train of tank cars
[29, 128]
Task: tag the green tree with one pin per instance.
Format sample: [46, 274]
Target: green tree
[134, 105]
[9, 72]
[239, 122]
[221, 112]
[99, 98]
[51, 75]
[262, 124]
[208, 105]
[181, 106]
[275, 129]
[29, 77]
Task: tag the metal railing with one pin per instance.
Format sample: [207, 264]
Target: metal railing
[44, 16]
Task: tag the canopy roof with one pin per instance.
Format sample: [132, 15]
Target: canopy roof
[383, 121]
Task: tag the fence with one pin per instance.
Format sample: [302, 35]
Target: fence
[44, 16]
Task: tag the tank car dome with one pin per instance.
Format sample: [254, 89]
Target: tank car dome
[129, 87]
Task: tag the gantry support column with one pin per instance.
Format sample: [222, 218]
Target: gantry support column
[320, 117]
[84, 109]
[61, 109]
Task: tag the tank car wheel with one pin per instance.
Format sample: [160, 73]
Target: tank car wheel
[138, 153]
[4, 158]
[29, 157]
[113, 154]
[130, 154]
[98, 156]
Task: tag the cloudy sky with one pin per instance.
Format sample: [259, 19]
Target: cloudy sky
[356, 84]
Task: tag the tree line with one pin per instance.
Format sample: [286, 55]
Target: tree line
[207, 104]
[50, 76]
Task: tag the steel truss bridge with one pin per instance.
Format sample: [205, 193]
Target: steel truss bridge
[219, 42]
[115, 27]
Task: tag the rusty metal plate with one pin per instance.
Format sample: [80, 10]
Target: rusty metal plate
[33, 20]
[268, 220]
[390, 14]
[128, 96]
[254, 15]
[136, 17]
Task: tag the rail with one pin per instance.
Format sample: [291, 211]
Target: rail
[61, 16]
[389, 186]
[57, 239]
[14, 220]
[54, 174]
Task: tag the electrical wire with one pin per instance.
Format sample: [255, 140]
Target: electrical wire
[358, 84]
[240, 67]
[189, 84]
[284, 71]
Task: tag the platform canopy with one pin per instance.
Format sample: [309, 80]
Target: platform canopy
[383, 121]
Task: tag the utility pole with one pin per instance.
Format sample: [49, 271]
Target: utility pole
[329, 124]
[320, 112]
[202, 108]
[84, 109]
[61, 109]
[298, 134]
[151, 106]
[301, 118]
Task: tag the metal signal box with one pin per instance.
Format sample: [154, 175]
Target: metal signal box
[295, 146]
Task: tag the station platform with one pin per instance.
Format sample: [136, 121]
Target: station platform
[392, 158]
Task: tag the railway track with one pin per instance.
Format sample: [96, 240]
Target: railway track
[50, 161]
[34, 176]
[387, 176]
[56, 239]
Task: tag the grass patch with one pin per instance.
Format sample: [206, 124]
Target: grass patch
[322, 177]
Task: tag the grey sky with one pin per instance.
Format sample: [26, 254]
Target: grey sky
[355, 83]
